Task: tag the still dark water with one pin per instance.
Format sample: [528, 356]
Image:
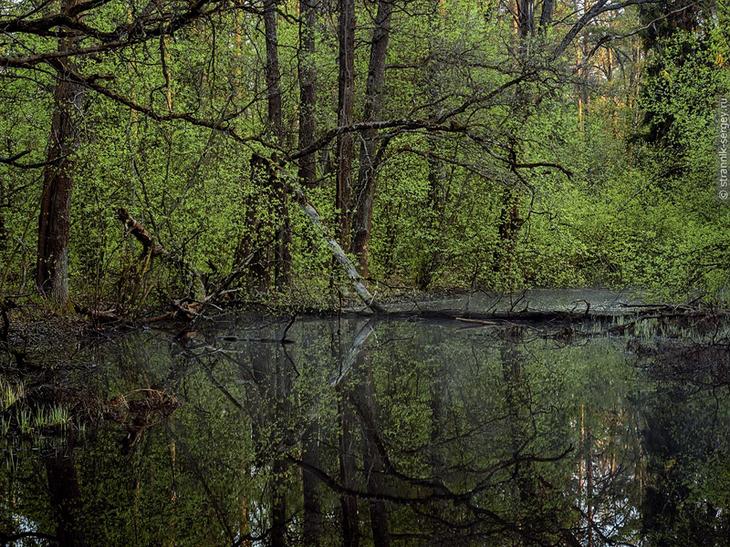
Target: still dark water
[391, 432]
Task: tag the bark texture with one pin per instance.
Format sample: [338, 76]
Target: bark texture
[345, 107]
[55, 211]
[307, 91]
[365, 189]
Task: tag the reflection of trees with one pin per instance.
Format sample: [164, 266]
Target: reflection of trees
[684, 431]
[361, 396]
[431, 436]
[65, 497]
[447, 493]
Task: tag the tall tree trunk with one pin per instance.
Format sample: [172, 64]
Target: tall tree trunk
[307, 90]
[510, 220]
[365, 189]
[313, 523]
[273, 86]
[55, 212]
[65, 498]
[546, 15]
[3, 229]
[435, 205]
[525, 19]
[348, 502]
[255, 245]
[282, 239]
[345, 105]
[373, 460]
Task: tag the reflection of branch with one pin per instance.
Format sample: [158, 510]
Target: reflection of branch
[438, 490]
[219, 511]
[444, 494]
[357, 344]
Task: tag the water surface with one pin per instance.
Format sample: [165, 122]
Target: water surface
[402, 432]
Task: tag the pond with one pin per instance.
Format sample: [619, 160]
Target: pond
[355, 431]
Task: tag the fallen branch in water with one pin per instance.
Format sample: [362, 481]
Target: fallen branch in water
[547, 316]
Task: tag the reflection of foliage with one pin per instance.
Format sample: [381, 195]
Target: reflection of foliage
[470, 436]
[26, 416]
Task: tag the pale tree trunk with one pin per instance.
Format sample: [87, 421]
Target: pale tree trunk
[345, 106]
[339, 255]
[365, 189]
[55, 212]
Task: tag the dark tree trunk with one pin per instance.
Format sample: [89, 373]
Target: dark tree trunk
[55, 211]
[282, 239]
[373, 463]
[435, 206]
[525, 17]
[510, 220]
[313, 523]
[273, 87]
[546, 15]
[3, 229]
[65, 498]
[345, 105]
[348, 502]
[307, 91]
[254, 247]
[365, 189]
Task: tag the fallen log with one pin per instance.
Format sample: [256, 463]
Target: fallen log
[540, 316]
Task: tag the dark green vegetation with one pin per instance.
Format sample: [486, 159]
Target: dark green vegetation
[445, 144]
[170, 159]
[377, 432]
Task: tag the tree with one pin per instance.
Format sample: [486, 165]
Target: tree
[345, 110]
[364, 193]
[55, 211]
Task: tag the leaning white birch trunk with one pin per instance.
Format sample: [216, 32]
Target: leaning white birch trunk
[352, 273]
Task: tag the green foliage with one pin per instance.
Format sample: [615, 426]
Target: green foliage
[620, 193]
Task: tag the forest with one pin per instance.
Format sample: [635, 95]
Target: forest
[364, 272]
[159, 151]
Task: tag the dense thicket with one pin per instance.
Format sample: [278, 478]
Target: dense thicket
[445, 143]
